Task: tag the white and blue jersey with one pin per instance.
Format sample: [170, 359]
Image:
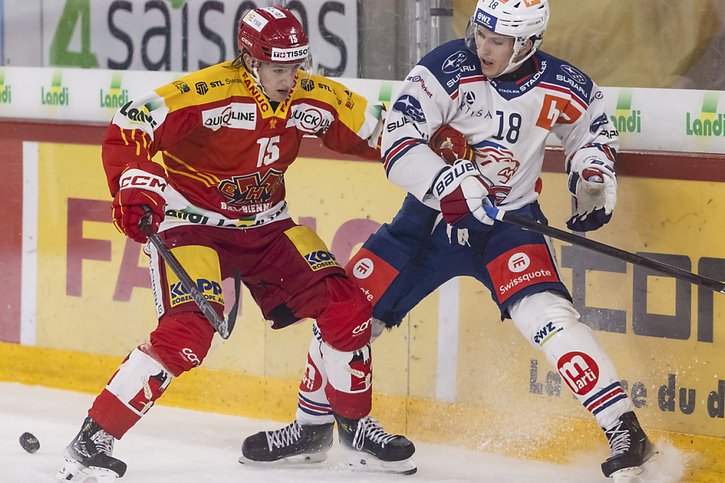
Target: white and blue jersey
[506, 122]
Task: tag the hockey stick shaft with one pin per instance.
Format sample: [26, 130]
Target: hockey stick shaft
[222, 326]
[596, 246]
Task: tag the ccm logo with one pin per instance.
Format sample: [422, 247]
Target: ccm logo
[146, 181]
[190, 356]
[362, 327]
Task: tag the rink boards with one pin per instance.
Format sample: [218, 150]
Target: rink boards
[77, 299]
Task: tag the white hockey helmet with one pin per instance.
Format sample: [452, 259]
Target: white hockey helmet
[520, 19]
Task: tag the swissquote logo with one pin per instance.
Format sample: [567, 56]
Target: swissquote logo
[363, 268]
[518, 262]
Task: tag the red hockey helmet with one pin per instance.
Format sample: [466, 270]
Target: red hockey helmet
[273, 34]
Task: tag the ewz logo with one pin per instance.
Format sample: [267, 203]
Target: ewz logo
[486, 20]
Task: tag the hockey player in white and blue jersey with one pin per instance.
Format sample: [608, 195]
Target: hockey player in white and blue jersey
[504, 96]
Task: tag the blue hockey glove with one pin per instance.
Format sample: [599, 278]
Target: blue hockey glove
[594, 185]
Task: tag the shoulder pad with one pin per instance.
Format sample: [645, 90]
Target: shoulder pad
[449, 62]
[563, 74]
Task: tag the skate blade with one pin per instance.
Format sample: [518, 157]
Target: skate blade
[637, 474]
[74, 471]
[369, 463]
[297, 461]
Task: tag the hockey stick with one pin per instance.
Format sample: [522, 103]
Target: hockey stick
[596, 246]
[223, 327]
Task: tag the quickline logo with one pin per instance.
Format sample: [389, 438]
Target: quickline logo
[5, 91]
[625, 119]
[708, 122]
[116, 96]
[57, 95]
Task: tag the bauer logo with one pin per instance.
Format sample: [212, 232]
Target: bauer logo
[115, 96]
[320, 259]
[708, 122]
[579, 371]
[5, 90]
[626, 120]
[56, 95]
[485, 20]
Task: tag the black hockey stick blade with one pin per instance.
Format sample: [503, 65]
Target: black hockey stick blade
[596, 246]
[222, 326]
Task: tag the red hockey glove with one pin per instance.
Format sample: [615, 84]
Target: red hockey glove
[461, 190]
[138, 188]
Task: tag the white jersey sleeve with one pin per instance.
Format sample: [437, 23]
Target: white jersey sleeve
[418, 109]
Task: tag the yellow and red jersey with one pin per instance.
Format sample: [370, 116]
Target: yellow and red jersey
[225, 149]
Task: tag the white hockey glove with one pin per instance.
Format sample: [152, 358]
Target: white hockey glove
[594, 185]
[460, 188]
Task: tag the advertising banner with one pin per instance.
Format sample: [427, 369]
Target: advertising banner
[686, 121]
[664, 336]
[165, 35]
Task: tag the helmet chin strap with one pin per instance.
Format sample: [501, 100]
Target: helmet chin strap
[255, 76]
[519, 44]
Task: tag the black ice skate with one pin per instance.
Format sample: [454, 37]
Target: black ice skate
[374, 449]
[630, 448]
[293, 444]
[88, 456]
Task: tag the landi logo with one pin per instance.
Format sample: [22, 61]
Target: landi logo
[708, 122]
[5, 92]
[625, 119]
[57, 95]
[116, 96]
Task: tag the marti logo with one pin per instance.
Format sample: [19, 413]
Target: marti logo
[625, 119]
[5, 92]
[708, 122]
[57, 95]
[116, 96]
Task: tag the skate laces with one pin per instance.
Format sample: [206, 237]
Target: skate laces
[93, 439]
[103, 441]
[286, 436]
[369, 428]
[619, 438]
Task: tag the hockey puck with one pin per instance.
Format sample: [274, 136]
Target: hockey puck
[29, 442]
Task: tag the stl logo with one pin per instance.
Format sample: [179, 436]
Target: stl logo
[519, 262]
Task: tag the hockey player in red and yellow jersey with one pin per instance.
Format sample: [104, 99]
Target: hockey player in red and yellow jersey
[206, 155]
